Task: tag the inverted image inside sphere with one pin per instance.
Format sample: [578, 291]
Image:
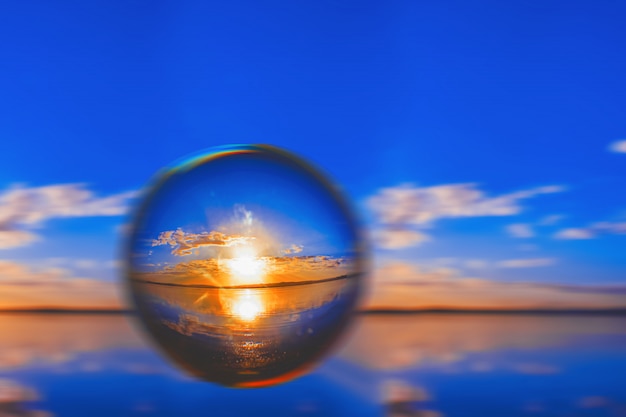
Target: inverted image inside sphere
[244, 265]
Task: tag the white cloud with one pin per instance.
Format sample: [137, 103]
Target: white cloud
[24, 208]
[574, 234]
[527, 230]
[398, 238]
[183, 243]
[400, 210]
[74, 263]
[592, 231]
[520, 230]
[243, 215]
[617, 228]
[618, 146]
[526, 262]
[16, 238]
[418, 206]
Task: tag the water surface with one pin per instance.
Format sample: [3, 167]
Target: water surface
[395, 365]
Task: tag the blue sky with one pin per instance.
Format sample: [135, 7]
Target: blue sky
[390, 96]
[240, 199]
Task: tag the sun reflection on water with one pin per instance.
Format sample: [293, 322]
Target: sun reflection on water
[247, 306]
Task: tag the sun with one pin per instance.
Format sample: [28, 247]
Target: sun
[246, 268]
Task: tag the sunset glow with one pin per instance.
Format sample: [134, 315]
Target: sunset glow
[246, 267]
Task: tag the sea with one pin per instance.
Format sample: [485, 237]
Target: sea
[420, 364]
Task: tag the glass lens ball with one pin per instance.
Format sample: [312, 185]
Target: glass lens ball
[244, 265]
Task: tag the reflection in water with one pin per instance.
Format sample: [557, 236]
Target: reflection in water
[487, 365]
[53, 340]
[246, 305]
[394, 365]
[404, 400]
[409, 341]
[246, 336]
[14, 398]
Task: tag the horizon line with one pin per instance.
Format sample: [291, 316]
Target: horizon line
[245, 286]
[372, 311]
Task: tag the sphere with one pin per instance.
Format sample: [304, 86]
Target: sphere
[244, 265]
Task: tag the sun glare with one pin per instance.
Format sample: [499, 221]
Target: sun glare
[247, 306]
[246, 268]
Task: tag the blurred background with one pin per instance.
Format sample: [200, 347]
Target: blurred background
[483, 145]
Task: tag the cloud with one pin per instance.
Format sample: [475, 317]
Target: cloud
[404, 285]
[23, 286]
[244, 215]
[401, 209]
[271, 270]
[12, 392]
[293, 249]
[618, 146]
[30, 341]
[551, 220]
[75, 263]
[587, 289]
[184, 243]
[12, 398]
[520, 230]
[400, 399]
[610, 227]
[24, 208]
[395, 391]
[225, 239]
[402, 344]
[574, 234]
[525, 230]
[418, 206]
[526, 263]
[398, 238]
[16, 238]
[34, 343]
[592, 231]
